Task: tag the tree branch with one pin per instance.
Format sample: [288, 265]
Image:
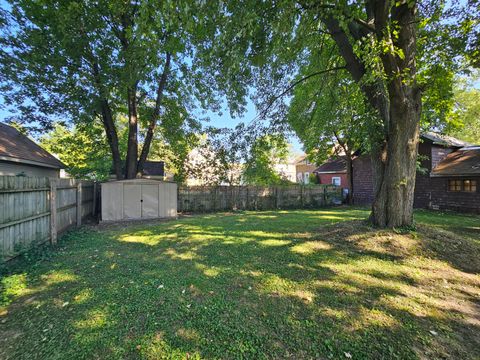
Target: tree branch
[299, 82]
[156, 112]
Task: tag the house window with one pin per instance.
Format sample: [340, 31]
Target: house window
[299, 177]
[470, 185]
[306, 177]
[454, 185]
[336, 180]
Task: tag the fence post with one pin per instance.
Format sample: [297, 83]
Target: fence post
[325, 195]
[94, 208]
[53, 211]
[301, 196]
[79, 204]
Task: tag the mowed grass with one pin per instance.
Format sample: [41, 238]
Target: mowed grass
[300, 284]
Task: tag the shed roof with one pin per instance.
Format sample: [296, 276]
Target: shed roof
[16, 147]
[463, 162]
[332, 166]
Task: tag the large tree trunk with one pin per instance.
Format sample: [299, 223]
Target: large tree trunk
[397, 100]
[132, 146]
[395, 172]
[394, 176]
[112, 137]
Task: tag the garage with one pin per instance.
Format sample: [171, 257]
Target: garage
[138, 199]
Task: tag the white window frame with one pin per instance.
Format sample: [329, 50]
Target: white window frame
[306, 177]
[334, 178]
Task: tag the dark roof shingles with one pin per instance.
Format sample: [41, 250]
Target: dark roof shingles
[336, 165]
[14, 144]
[465, 161]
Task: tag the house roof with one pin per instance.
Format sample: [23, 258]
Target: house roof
[154, 168]
[463, 162]
[332, 166]
[16, 147]
[444, 140]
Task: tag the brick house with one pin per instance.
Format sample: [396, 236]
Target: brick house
[450, 176]
[333, 172]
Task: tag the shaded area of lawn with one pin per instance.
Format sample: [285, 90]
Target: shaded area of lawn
[277, 284]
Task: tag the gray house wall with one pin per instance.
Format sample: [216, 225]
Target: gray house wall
[15, 169]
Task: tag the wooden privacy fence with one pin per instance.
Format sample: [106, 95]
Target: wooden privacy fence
[34, 210]
[225, 198]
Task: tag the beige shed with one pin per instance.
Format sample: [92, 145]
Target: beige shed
[138, 199]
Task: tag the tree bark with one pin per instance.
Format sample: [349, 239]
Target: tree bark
[395, 176]
[398, 102]
[107, 119]
[155, 115]
[112, 137]
[132, 146]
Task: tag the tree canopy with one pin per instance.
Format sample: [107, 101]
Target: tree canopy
[82, 61]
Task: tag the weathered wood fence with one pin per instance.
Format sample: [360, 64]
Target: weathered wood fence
[225, 198]
[34, 210]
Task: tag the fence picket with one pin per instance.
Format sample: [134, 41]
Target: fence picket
[227, 198]
[26, 210]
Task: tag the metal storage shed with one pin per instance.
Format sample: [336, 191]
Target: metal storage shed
[138, 199]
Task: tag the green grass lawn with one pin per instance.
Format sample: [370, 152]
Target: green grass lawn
[304, 284]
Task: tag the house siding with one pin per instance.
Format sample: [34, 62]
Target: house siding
[421, 197]
[362, 180]
[14, 169]
[461, 201]
[327, 179]
[302, 169]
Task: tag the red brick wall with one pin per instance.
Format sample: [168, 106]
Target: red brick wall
[362, 180]
[442, 199]
[327, 179]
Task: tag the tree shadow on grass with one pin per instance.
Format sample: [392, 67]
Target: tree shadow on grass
[259, 290]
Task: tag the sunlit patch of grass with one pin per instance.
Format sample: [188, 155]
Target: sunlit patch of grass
[146, 239]
[274, 242]
[310, 247]
[12, 286]
[94, 319]
[83, 296]
[58, 276]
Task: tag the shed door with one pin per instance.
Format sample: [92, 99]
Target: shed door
[149, 201]
[132, 206]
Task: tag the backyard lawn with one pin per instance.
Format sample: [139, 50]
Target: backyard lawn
[303, 284]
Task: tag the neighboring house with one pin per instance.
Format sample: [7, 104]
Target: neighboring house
[333, 172]
[20, 156]
[452, 180]
[450, 176]
[154, 170]
[286, 169]
[303, 169]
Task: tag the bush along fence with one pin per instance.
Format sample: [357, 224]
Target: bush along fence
[229, 198]
[33, 211]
